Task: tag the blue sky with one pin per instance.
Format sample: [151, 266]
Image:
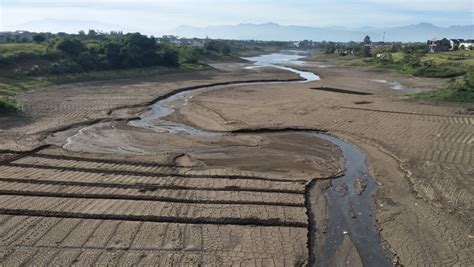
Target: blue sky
[162, 16]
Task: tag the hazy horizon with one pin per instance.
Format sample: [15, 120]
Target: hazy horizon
[163, 16]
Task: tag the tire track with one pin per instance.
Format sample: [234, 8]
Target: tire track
[20, 154]
[450, 117]
[273, 222]
[108, 161]
[150, 187]
[154, 174]
[144, 198]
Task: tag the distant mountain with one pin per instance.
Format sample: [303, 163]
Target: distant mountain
[272, 31]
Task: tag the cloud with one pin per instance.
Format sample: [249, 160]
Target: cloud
[424, 5]
[161, 16]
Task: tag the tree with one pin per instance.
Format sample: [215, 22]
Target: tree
[366, 51]
[367, 40]
[88, 61]
[112, 54]
[329, 47]
[217, 46]
[92, 33]
[140, 50]
[71, 47]
[225, 49]
[171, 58]
[39, 38]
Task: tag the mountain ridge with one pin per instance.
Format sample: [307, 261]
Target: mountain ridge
[271, 31]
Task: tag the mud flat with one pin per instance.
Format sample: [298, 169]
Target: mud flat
[165, 198]
[224, 174]
[205, 145]
[419, 154]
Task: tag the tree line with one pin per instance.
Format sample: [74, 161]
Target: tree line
[33, 54]
[47, 53]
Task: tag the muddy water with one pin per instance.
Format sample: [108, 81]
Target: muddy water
[397, 85]
[350, 210]
[349, 198]
[279, 60]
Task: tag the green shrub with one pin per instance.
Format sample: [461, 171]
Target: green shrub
[65, 66]
[89, 61]
[17, 56]
[460, 89]
[445, 70]
[464, 84]
[7, 105]
[70, 46]
[171, 58]
[28, 47]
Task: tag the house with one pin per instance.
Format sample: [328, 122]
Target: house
[466, 44]
[436, 45]
[170, 39]
[455, 43]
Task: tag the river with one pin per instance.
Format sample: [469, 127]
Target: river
[350, 197]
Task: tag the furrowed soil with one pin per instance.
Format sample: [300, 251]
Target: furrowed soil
[122, 195]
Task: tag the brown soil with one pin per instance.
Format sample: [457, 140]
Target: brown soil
[180, 200]
[421, 154]
[167, 200]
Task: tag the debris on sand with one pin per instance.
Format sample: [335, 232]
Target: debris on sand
[360, 184]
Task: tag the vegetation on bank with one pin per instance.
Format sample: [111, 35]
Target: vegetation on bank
[64, 54]
[34, 60]
[7, 105]
[58, 54]
[460, 89]
[413, 59]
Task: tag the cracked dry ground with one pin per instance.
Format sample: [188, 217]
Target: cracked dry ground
[62, 208]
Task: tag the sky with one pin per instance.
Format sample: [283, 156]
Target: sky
[163, 16]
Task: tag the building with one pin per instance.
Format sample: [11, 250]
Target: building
[466, 44]
[436, 45]
[455, 43]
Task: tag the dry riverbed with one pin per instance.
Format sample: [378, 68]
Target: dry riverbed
[160, 198]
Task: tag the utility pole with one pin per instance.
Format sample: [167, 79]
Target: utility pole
[383, 42]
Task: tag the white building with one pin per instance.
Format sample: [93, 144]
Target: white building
[466, 44]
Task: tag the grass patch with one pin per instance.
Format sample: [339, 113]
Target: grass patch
[7, 105]
[443, 70]
[457, 65]
[446, 95]
[26, 47]
[9, 86]
[460, 89]
[464, 57]
[432, 65]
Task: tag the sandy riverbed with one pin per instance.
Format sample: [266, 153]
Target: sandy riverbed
[419, 154]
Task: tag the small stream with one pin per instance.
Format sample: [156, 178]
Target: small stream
[349, 207]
